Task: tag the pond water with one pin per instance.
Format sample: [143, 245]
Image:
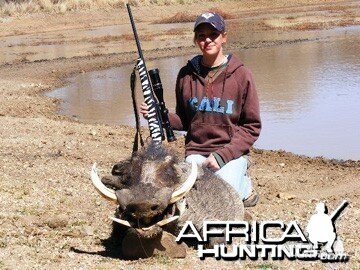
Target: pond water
[309, 94]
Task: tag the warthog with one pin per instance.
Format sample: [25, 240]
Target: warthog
[157, 192]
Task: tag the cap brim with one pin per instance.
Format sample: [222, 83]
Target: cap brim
[206, 23]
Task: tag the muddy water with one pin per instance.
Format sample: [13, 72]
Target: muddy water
[309, 94]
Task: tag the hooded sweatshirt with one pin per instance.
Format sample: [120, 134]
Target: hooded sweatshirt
[225, 122]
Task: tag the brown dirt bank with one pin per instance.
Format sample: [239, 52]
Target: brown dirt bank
[50, 215]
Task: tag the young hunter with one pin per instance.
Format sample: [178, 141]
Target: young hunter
[217, 104]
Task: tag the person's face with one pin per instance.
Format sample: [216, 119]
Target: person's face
[209, 39]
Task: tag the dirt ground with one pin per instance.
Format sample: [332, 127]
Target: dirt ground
[50, 215]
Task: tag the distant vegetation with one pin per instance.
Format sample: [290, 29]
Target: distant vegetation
[186, 17]
[18, 7]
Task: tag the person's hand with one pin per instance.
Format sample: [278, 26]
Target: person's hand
[144, 110]
[211, 163]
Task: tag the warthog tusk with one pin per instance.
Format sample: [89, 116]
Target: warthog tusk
[167, 221]
[187, 185]
[107, 193]
[121, 221]
[161, 223]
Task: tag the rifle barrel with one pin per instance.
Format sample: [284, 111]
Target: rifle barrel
[134, 31]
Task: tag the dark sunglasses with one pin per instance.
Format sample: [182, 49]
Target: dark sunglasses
[213, 35]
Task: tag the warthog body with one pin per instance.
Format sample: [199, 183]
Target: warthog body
[146, 187]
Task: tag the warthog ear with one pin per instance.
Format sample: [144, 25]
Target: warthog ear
[116, 182]
[121, 168]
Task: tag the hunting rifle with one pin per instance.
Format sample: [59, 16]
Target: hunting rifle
[158, 113]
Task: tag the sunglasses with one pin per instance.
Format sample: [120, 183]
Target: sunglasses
[212, 36]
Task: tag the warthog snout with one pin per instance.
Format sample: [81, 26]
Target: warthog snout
[142, 209]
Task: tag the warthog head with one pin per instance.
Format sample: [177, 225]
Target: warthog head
[146, 187]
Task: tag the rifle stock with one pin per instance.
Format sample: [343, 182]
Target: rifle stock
[158, 113]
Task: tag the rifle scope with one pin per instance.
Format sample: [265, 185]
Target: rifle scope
[159, 93]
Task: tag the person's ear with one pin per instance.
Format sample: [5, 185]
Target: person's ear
[224, 36]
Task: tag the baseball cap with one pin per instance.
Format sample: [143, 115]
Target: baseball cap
[212, 18]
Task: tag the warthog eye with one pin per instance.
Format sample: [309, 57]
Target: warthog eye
[154, 207]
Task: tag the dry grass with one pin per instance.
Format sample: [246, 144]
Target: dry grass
[106, 38]
[101, 39]
[321, 25]
[178, 17]
[176, 31]
[127, 37]
[182, 17]
[337, 8]
[130, 37]
[222, 13]
[20, 7]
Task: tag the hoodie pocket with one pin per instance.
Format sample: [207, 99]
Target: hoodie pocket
[209, 135]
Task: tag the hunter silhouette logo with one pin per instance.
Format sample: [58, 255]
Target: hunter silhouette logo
[321, 226]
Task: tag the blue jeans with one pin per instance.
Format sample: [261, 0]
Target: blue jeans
[233, 172]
